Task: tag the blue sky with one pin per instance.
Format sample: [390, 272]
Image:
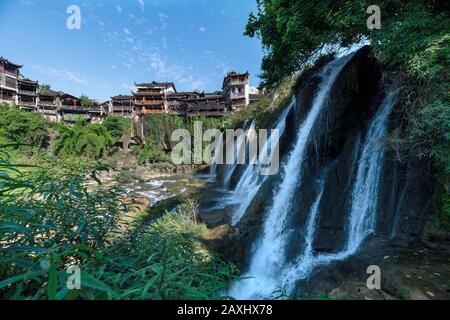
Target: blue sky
[190, 42]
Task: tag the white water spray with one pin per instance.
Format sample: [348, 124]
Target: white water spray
[252, 180]
[269, 258]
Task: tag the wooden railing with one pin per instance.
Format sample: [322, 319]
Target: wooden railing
[47, 104]
[27, 92]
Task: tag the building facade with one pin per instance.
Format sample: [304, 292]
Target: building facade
[9, 74]
[121, 106]
[236, 90]
[27, 94]
[152, 97]
[49, 104]
[147, 98]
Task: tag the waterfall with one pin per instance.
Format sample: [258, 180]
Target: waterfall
[268, 259]
[218, 157]
[239, 147]
[364, 201]
[252, 180]
[366, 187]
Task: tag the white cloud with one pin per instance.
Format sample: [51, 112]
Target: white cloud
[119, 9]
[142, 4]
[126, 31]
[61, 74]
[202, 29]
[162, 15]
[163, 19]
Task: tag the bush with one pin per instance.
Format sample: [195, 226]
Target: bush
[413, 41]
[118, 127]
[159, 128]
[90, 141]
[22, 127]
[49, 222]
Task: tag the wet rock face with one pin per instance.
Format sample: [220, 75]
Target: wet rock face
[332, 152]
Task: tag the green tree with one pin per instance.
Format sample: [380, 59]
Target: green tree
[22, 127]
[44, 87]
[293, 32]
[91, 141]
[120, 129]
[86, 101]
[414, 40]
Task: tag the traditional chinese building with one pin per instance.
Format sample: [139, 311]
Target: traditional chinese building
[27, 94]
[122, 105]
[152, 97]
[206, 104]
[148, 98]
[71, 108]
[48, 104]
[98, 111]
[9, 74]
[236, 90]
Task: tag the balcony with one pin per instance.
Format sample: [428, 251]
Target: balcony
[27, 105]
[237, 95]
[27, 93]
[47, 104]
[150, 103]
[10, 73]
[153, 111]
[50, 112]
[117, 109]
[70, 108]
[8, 83]
[149, 94]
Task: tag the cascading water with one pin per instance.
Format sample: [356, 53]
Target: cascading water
[252, 180]
[364, 201]
[239, 147]
[269, 257]
[366, 187]
[218, 155]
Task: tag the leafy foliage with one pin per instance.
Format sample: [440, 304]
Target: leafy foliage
[50, 222]
[22, 127]
[44, 87]
[119, 127]
[86, 101]
[92, 141]
[159, 130]
[295, 32]
[414, 39]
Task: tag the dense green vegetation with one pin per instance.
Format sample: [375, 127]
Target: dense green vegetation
[50, 221]
[55, 215]
[20, 127]
[83, 140]
[91, 141]
[159, 129]
[44, 87]
[414, 41]
[86, 101]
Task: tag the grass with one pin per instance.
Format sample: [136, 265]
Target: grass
[51, 221]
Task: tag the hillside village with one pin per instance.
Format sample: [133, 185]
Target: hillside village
[147, 98]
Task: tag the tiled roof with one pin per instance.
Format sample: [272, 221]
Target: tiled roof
[6, 61]
[122, 97]
[49, 93]
[155, 84]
